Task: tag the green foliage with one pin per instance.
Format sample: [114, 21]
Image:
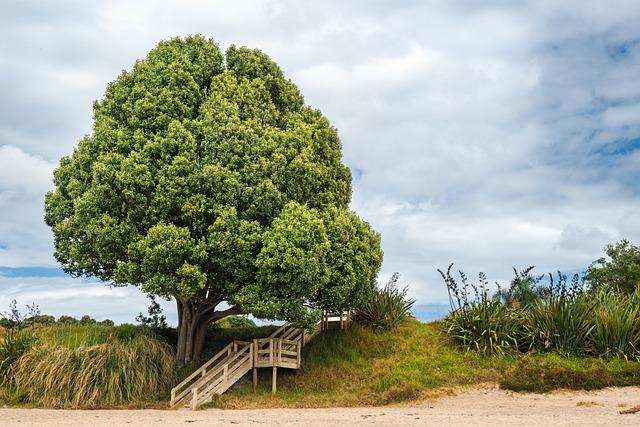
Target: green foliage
[12, 346]
[67, 320]
[113, 373]
[620, 272]
[208, 179]
[74, 336]
[545, 373]
[480, 322]
[561, 324]
[13, 319]
[40, 319]
[155, 320]
[386, 307]
[234, 322]
[523, 290]
[563, 319]
[616, 332]
[86, 320]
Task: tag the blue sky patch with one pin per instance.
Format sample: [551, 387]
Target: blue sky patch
[32, 272]
[620, 52]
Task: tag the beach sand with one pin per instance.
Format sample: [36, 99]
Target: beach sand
[481, 406]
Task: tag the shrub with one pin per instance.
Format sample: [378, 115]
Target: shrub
[560, 324]
[541, 375]
[233, 322]
[112, 373]
[482, 323]
[523, 290]
[487, 326]
[385, 308]
[616, 332]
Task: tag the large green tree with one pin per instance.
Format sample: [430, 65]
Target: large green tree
[208, 180]
[619, 271]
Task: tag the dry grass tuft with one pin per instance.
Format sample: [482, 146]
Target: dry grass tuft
[113, 373]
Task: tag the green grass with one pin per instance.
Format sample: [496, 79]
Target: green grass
[355, 367]
[359, 367]
[543, 373]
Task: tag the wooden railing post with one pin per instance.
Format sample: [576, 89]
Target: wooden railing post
[225, 375]
[271, 352]
[274, 379]
[194, 399]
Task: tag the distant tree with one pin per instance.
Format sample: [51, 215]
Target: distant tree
[156, 320]
[523, 289]
[67, 320]
[40, 319]
[619, 272]
[208, 180]
[87, 320]
[13, 319]
[105, 322]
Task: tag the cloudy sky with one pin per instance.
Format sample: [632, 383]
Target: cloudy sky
[490, 134]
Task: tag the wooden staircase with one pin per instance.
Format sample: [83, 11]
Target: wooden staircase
[280, 350]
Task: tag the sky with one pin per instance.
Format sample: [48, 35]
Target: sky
[489, 134]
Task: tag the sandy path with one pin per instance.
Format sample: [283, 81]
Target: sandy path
[486, 406]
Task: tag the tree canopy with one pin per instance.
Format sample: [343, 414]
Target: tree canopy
[207, 179]
[620, 271]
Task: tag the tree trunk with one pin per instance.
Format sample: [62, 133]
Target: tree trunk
[193, 319]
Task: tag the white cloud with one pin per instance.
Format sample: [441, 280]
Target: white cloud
[480, 134]
[22, 173]
[58, 296]
[589, 240]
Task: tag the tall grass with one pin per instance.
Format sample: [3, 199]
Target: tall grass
[115, 372]
[13, 345]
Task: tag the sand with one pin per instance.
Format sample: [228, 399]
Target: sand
[483, 406]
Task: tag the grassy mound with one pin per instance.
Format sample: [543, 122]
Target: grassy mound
[360, 367]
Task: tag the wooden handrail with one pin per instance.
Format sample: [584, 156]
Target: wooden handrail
[281, 349]
[200, 371]
[207, 375]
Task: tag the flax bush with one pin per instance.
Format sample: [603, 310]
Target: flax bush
[385, 308]
[561, 324]
[564, 318]
[480, 322]
[116, 372]
[616, 330]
